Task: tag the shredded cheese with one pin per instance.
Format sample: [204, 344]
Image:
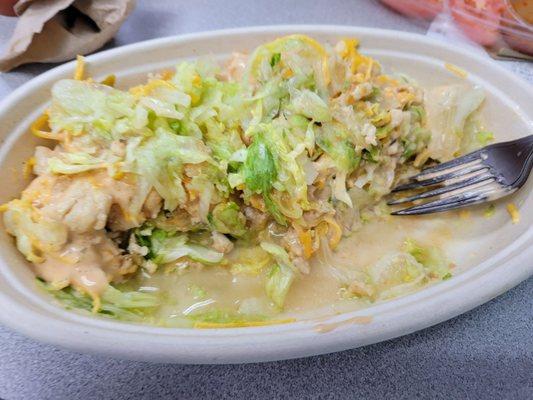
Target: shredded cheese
[240, 324]
[109, 80]
[167, 74]
[38, 128]
[464, 214]
[197, 80]
[144, 90]
[306, 240]
[80, 68]
[336, 232]
[454, 69]
[513, 212]
[28, 168]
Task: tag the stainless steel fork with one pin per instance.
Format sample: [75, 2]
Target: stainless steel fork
[486, 174]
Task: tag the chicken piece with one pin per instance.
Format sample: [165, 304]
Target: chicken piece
[221, 243]
[361, 289]
[41, 156]
[256, 218]
[177, 220]
[235, 67]
[292, 243]
[301, 264]
[75, 202]
[152, 205]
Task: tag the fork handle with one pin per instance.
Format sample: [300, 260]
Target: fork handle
[528, 164]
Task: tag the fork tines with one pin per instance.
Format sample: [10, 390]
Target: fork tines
[463, 181]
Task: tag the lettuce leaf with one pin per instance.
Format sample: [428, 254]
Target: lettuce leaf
[310, 105]
[281, 275]
[165, 247]
[228, 218]
[448, 108]
[396, 275]
[81, 106]
[130, 306]
[278, 283]
[160, 158]
[431, 257]
[260, 171]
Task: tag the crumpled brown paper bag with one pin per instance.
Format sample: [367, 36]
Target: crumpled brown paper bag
[58, 30]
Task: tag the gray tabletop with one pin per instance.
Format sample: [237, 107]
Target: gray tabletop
[484, 354]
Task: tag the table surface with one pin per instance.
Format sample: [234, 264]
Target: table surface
[486, 353]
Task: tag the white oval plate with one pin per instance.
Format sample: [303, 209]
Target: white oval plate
[506, 249]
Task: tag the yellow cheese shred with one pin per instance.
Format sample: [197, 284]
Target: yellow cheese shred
[79, 72]
[40, 128]
[109, 80]
[513, 212]
[240, 324]
[28, 168]
[454, 69]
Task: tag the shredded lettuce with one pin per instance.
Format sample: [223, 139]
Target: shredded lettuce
[281, 275]
[334, 140]
[401, 273]
[396, 275]
[260, 167]
[431, 257]
[279, 253]
[310, 105]
[448, 108]
[260, 172]
[131, 306]
[74, 163]
[81, 106]
[165, 247]
[279, 281]
[228, 218]
[160, 160]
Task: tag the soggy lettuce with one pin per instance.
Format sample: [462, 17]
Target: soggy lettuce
[281, 274]
[431, 257]
[227, 218]
[260, 169]
[401, 273]
[335, 141]
[475, 135]
[278, 283]
[165, 247]
[160, 160]
[396, 275]
[279, 253]
[272, 169]
[248, 260]
[448, 108]
[131, 306]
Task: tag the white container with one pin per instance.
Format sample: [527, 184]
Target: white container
[507, 251]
